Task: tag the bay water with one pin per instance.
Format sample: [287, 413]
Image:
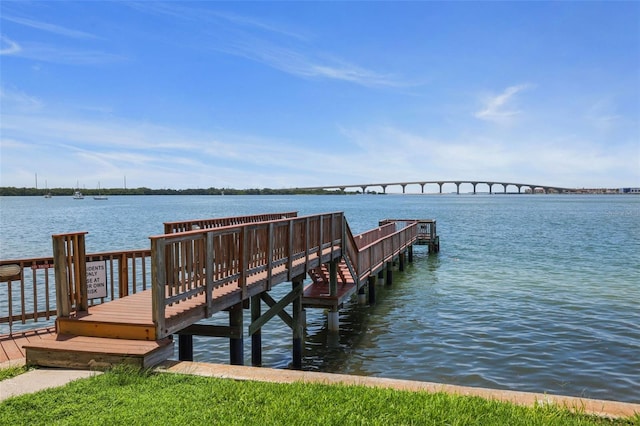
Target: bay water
[534, 293]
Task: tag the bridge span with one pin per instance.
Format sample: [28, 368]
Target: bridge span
[532, 187]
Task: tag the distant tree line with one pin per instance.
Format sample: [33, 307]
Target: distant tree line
[57, 192]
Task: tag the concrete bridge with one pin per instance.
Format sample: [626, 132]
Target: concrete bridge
[532, 187]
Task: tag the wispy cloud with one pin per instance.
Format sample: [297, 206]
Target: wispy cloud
[8, 46]
[294, 62]
[15, 100]
[270, 44]
[50, 28]
[499, 108]
[62, 55]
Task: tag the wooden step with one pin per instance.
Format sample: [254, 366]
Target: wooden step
[96, 353]
[114, 330]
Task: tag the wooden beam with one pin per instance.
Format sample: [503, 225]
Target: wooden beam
[212, 331]
[277, 308]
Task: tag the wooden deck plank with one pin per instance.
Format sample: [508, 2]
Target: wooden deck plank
[11, 345]
[96, 353]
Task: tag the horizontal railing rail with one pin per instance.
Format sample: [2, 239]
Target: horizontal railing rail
[28, 297]
[197, 262]
[190, 225]
[426, 227]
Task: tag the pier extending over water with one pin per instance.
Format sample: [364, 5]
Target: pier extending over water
[193, 270]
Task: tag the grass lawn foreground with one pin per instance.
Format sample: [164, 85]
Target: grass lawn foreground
[130, 397]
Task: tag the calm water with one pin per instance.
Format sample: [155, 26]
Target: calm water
[534, 293]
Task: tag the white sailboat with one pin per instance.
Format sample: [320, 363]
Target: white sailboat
[47, 193]
[100, 196]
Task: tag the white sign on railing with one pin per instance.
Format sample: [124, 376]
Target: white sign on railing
[96, 279]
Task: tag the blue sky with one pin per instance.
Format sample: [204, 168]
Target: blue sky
[280, 94]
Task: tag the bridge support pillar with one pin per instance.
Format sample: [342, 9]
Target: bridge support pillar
[236, 345]
[458, 188]
[372, 289]
[410, 251]
[256, 337]
[298, 326]
[422, 190]
[404, 187]
[440, 185]
[381, 274]
[474, 187]
[185, 347]
[389, 274]
[401, 257]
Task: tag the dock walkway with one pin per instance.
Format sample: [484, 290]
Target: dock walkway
[199, 268]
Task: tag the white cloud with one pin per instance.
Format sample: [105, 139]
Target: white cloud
[498, 108]
[51, 28]
[61, 55]
[18, 101]
[8, 46]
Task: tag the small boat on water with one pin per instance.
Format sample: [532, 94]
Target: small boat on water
[100, 196]
[77, 195]
[47, 194]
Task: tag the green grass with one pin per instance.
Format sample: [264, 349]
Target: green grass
[13, 371]
[127, 397]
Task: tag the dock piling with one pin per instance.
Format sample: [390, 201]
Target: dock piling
[256, 337]
[236, 344]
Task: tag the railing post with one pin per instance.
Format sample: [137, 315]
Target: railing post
[158, 284]
[70, 273]
[209, 274]
[270, 256]
[123, 275]
[244, 257]
[63, 298]
[290, 251]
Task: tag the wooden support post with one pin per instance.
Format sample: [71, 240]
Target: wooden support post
[372, 290]
[410, 250]
[381, 273]
[389, 274]
[362, 296]
[256, 337]
[401, 262]
[123, 275]
[333, 320]
[236, 345]
[298, 328]
[185, 347]
[333, 278]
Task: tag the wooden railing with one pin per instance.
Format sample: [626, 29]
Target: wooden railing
[394, 237]
[373, 235]
[28, 296]
[192, 263]
[190, 225]
[426, 228]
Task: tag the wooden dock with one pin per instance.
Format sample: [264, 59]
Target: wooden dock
[202, 267]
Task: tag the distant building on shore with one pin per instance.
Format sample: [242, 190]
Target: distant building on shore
[630, 190]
